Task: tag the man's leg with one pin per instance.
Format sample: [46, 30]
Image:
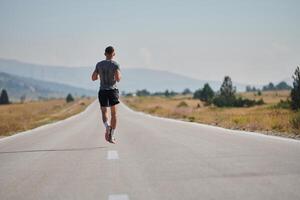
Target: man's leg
[113, 122]
[105, 122]
[104, 115]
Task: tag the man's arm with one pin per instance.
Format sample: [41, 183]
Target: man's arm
[118, 75]
[95, 75]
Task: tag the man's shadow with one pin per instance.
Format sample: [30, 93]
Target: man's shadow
[49, 150]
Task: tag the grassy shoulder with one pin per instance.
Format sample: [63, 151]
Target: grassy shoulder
[266, 118]
[18, 117]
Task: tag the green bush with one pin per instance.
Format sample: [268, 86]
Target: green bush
[258, 93]
[283, 104]
[224, 101]
[69, 98]
[205, 94]
[232, 101]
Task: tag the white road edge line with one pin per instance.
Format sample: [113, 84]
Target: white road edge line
[211, 126]
[112, 155]
[118, 197]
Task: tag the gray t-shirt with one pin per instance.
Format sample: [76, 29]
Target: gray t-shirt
[107, 70]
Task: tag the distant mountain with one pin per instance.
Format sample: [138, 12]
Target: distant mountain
[133, 78]
[156, 80]
[75, 76]
[17, 86]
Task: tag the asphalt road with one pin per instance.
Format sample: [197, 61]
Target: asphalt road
[155, 159]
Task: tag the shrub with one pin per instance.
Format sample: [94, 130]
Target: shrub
[191, 118]
[260, 102]
[182, 104]
[206, 94]
[69, 98]
[168, 93]
[223, 101]
[296, 121]
[154, 109]
[258, 93]
[283, 104]
[186, 91]
[143, 92]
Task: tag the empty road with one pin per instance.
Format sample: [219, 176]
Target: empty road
[155, 158]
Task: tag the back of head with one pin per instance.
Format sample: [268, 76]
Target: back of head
[109, 50]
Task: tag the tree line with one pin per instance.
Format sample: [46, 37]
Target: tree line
[4, 99]
[269, 87]
[226, 96]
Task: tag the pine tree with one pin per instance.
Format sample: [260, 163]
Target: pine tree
[186, 91]
[207, 93]
[4, 97]
[226, 97]
[227, 89]
[295, 93]
[69, 98]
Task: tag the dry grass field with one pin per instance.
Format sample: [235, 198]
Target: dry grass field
[24, 116]
[266, 118]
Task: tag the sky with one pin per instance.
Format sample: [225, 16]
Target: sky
[254, 42]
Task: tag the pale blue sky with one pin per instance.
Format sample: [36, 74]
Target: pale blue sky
[252, 41]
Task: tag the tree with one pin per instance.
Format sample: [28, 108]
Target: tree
[283, 86]
[269, 87]
[207, 93]
[259, 93]
[248, 88]
[186, 91]
[23, 98]
[227, 89]
[197, 94]
[295, 93]
[143, 92]
[167, 93]
[226, 98]
[4, 97]
[69, 98]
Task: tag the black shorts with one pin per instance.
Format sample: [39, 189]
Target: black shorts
[108, 98]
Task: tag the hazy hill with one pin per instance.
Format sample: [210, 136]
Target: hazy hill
[134, 78]
[17, 86]
[75, 76]
[155, 80]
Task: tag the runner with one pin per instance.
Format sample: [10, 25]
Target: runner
[109, 73]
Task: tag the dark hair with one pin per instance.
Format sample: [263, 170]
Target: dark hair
[109, 50]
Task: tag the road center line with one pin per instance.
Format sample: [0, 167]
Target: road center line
[112, 155]
[118, 197]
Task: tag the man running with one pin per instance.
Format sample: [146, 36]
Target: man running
[108, 95]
